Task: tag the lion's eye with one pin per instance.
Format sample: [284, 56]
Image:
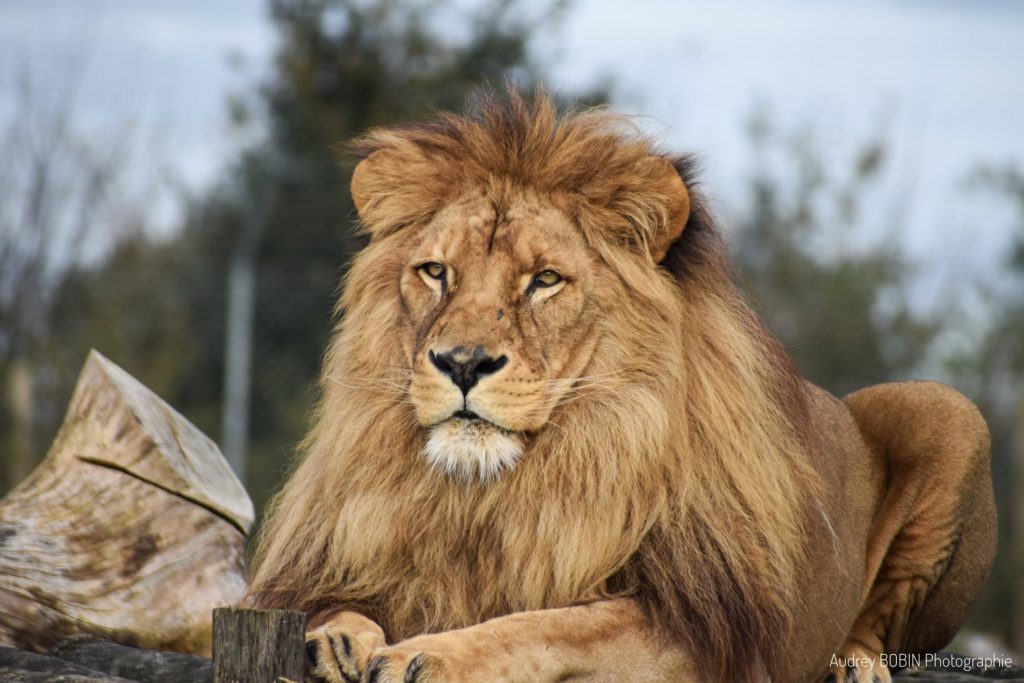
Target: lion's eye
[546, 278]
[434, 269]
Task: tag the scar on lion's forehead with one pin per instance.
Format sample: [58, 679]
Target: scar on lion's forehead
[482, 218]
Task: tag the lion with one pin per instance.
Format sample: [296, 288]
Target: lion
[554, 442]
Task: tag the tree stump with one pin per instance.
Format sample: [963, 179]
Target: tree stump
[132, 528]
[258, 645]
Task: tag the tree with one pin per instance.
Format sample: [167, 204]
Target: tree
[993, 370]
[62, 196]
[843, 312]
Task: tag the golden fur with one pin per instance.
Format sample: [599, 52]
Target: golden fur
[675, 469]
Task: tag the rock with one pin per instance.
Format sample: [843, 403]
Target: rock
[89, 661]
[143, 666]
[19, 665]
[945, 667]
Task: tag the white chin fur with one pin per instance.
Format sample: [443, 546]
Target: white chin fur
[472, 450]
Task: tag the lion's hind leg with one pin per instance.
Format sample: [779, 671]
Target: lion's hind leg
[933, 536]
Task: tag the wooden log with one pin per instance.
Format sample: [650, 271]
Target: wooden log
[258, 645]
[132, 528]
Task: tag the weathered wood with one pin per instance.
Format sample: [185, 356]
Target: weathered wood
[132, 528]
[258, 645]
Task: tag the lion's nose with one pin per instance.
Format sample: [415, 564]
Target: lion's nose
[465, 368]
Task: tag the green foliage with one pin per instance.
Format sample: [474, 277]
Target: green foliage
[157, 310]
[841, 311]
[992, 371]
[1004, 348]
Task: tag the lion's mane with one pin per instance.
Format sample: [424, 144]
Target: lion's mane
[682, 480]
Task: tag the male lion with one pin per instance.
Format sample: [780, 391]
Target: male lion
[555, 444]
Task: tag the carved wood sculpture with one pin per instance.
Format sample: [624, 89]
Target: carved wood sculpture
[132, 528]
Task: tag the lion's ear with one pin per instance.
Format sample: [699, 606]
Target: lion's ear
[669, 190]
[396, 186]
[362, 185]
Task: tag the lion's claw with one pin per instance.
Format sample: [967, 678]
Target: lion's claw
[374, 668]
[857, 666]
[338, 651]
[412, 672]
[329, 658]
[394, 665]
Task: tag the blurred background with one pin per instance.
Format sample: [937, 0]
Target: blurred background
[172, 192]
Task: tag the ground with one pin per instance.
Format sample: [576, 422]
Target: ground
[90, 661]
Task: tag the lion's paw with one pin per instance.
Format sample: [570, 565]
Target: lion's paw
[854, 664]
[339, 651]
[407, 665]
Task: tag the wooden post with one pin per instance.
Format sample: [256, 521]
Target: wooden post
[258, 645]
[132, 529]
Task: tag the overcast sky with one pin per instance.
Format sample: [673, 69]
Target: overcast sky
[941, 78]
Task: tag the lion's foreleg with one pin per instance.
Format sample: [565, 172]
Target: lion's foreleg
[605, 641]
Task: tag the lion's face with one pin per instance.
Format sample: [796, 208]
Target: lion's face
[511, 248]
[502, 310]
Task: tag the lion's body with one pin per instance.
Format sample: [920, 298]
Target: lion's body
[659, 447]
[911, 530]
